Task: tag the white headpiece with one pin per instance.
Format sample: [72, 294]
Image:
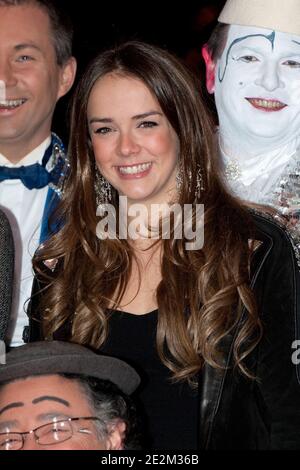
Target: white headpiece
[278, 15]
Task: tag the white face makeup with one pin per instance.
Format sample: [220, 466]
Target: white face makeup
[257, 89]
[2, 91]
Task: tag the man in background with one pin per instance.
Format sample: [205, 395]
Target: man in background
[36, 69]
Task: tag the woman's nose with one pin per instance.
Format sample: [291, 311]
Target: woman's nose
[128, 145]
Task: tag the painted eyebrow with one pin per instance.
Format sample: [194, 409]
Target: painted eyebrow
[50, 398]
[137, 116]
[11, 405]
[270, 37]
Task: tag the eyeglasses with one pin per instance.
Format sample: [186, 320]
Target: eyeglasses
[48, 434]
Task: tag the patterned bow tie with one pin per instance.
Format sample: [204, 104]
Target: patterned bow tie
[36, 176]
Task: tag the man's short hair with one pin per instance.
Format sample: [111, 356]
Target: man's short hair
[60, 23]
[217, 41]
[110, 404]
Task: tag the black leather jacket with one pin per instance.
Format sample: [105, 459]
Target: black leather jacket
[239, 413]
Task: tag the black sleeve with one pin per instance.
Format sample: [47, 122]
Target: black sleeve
[277, 367]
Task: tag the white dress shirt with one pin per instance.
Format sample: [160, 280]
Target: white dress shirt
[24, 209]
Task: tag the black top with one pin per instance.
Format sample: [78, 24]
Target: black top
[170, 409]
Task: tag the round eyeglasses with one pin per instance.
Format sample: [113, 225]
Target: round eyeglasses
[48, 434]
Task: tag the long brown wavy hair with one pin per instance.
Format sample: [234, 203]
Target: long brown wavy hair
[204, 294]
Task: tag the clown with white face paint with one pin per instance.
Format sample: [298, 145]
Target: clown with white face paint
[253, 68]
[257, 89]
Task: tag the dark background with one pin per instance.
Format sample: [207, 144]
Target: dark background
[181, 27]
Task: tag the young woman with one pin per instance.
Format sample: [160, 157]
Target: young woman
[210, 328]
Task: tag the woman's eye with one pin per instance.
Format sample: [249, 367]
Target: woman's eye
[102, 130]
[292, 63]
[248, 58]
[148, 124]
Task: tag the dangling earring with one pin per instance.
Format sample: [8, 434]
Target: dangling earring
[179, 178]
[102, 188]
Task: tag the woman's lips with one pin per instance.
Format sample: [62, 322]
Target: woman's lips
[134, 171]
[266, 105]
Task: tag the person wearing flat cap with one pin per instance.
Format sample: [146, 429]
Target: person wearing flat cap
[253, 69]
[61, 396]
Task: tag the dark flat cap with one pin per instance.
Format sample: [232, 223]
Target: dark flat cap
[58, 357]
